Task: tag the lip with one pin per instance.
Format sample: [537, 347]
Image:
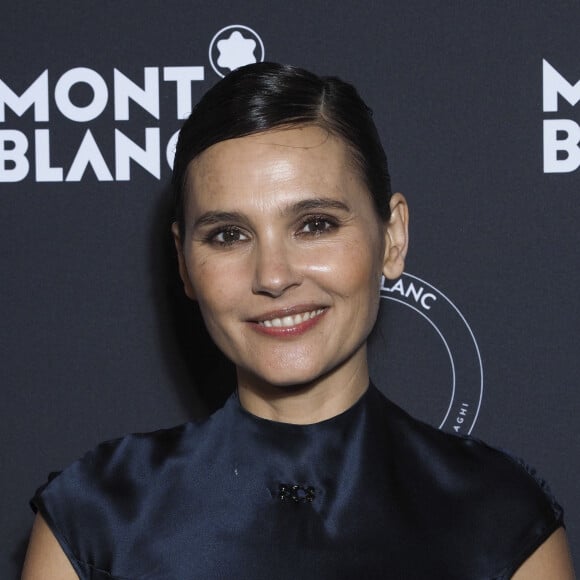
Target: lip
[287, 331]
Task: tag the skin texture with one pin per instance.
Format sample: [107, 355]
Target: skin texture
[278, 223]
[45, 559]
[551, 561]
[304, 236]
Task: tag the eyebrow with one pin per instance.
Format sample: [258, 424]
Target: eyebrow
[318, 203]
[211, 218]
[314, 204]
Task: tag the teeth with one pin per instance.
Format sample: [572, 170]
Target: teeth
[288, 321]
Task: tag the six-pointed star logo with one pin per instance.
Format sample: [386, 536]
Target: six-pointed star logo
[235, 46]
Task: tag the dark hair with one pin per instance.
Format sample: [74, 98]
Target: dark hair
[264, 96]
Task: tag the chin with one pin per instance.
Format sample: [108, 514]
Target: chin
[285, 379]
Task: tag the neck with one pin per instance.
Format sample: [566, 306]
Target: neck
[304, 404]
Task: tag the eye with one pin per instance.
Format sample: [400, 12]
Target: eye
[227, 236]
[317, 225]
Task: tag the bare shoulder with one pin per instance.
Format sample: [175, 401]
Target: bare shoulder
[45, 559]
[551, 561]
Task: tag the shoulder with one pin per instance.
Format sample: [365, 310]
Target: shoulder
[139, 455]
[471, 490]
[98, 499]
[132, 455]
[448, 458]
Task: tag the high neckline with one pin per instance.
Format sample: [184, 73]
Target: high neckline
[340, 418]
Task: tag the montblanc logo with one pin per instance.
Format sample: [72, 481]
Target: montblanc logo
[421, 335]
[235, 46]
[113, 94]
[561, 135]
[52, 130]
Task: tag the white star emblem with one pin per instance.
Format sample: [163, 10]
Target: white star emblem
[236, 51]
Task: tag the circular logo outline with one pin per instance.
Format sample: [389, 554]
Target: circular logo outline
[386, 294]
[236, 26]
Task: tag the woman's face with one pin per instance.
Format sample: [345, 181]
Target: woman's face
[284, 252]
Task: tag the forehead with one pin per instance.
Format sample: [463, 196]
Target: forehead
[302, 158]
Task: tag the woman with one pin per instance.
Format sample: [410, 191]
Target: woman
[285, 224]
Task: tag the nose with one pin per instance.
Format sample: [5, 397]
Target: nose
[275, 268]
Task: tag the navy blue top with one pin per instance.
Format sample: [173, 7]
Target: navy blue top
[370, 493]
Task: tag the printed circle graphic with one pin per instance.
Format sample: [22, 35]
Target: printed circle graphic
[425, 357]
[234, 46]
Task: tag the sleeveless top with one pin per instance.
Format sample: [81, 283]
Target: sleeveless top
[370, 493]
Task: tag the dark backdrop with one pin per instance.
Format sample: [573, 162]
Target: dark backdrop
[480, 336]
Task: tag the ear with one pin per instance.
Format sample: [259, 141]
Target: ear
[183, 271]
[396, 237]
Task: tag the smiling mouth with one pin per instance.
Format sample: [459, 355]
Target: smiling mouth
[290, 321]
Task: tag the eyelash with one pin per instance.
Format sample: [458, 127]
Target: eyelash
[212, 237]
[330, 225]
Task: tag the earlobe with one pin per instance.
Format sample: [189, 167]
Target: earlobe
[396, 237]
[183, 272]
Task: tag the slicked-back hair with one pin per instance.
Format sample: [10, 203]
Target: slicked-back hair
[266, 96]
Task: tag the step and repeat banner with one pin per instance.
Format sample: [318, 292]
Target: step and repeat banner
[478, 105]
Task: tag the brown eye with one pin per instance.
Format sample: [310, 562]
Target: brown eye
[229, 236]
[317, 225]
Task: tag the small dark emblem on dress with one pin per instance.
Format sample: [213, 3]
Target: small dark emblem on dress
[296, 493]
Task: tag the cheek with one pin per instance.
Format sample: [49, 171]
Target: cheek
[358, 269]
[214, 286]
[360, 278]
[217, 306]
